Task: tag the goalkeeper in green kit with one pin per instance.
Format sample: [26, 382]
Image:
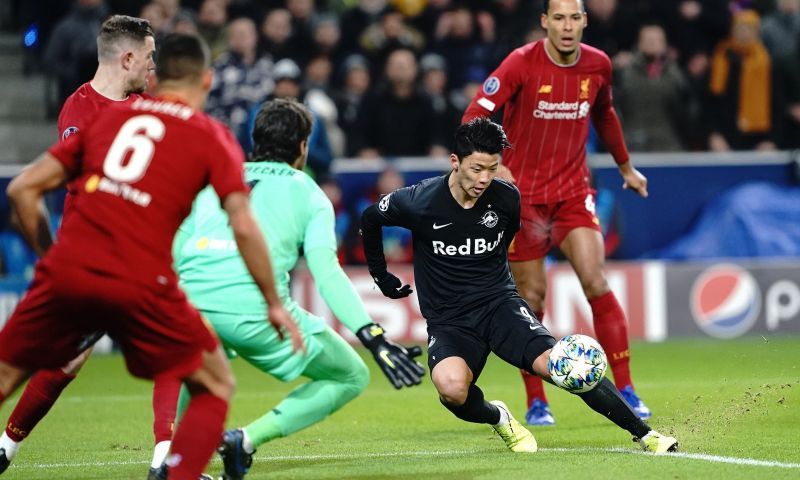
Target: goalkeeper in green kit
[293, 214]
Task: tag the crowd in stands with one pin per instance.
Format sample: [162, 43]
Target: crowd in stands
[389, 78]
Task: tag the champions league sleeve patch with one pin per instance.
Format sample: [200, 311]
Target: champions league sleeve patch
[491, 85]
[383, 205]
[68, 131]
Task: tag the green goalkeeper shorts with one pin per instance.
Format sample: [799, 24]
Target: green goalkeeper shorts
[253, 338]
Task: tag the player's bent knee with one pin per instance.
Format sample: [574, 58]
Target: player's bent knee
[533, 294]
[359, 376]
[11, 377]
[453, 389]
[595, 286]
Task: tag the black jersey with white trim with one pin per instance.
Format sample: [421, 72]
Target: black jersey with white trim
[460, 254]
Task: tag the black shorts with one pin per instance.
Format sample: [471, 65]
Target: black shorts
[505, 326]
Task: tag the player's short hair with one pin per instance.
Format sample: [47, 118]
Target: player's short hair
[546, 6]
[281, 125]
[479, 135]
[119, 28]
[182, 58]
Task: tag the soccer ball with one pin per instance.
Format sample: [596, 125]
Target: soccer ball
[577, 363]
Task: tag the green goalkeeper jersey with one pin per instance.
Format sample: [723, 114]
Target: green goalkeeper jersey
[293, 213]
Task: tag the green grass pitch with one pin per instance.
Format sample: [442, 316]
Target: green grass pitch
[730, 403]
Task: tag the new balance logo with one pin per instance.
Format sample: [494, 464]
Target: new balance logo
[437, 227]
[546, 89]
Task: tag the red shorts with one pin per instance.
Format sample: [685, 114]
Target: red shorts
[160, 333]
[546, 225]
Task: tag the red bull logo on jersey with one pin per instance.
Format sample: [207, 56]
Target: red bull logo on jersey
[472, 246]
[561, 110]
[725, 301]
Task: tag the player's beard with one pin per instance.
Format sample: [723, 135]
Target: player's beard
[136, 87]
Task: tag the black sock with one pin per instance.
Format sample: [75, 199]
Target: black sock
[475, 409]
[606, 400]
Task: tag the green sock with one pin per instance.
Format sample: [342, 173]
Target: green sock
[337, 376]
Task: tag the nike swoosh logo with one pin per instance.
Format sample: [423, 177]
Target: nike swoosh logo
[385, 357]
[437, 227]
[534, 327]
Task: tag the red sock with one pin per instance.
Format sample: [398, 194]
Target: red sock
[534, 387]
[41, 393]
[165, 403]
[611, 329]
[197, 436]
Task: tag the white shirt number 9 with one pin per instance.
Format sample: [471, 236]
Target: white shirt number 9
[135, 136]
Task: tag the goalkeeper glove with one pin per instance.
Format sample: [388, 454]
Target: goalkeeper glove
[390, 285]
[397, 363]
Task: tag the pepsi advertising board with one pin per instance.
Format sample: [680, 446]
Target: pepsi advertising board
[728, 300]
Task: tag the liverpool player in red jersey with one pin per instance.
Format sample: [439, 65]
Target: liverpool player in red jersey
[137, 169]
[550, 90]
[125, 49]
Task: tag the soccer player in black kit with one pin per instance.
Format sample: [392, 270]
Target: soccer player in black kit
[462, 225]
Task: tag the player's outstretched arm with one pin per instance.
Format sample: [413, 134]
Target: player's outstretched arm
[372, 237]
[253, 249]
[396, 362]
[26, 193]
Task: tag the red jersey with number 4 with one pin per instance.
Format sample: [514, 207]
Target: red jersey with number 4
[137, 170]
[546, 118]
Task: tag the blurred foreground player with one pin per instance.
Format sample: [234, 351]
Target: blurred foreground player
[137, 168]
[463, 223]
[125, 48]
[550, 90]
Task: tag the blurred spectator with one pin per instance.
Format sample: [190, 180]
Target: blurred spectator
[514, 21]
[781, 30]
[446, 116]
[211, 20]
[288, 80]
[391, 33]
[319, 99]
[71, 53]
[326, 37]
[302, 12]
[397, 120]
[356, 19]
[276, 34]
[741, 89]
[397, 242]
[154, 13]
[462, 45]
[185, 23]
[652, 95]
[612, 29]
[241, 79]
[355, 71]
[343, 220]
[427, 20]
[788, 70]
[692, 26]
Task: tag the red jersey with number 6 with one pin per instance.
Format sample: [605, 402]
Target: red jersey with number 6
[137, 170]
[546, 118]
